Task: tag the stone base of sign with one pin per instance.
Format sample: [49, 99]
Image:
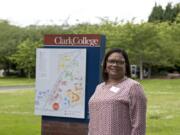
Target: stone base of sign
[63, 128]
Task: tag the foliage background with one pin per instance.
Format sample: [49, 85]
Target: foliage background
[154, 44]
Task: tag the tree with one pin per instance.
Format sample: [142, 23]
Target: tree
[25, 56]
[176, 11]
[175, 44]
[156, 14]
[148, 44]
[142, 47]
[10, 37]
[169, 14]
[177, 20]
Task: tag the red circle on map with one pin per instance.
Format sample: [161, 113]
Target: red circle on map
[55, 106]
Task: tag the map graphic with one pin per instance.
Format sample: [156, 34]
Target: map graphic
[60, 82]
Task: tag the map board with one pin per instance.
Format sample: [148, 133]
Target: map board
[60, 82]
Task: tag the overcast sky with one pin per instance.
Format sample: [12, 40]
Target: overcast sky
[26, 12]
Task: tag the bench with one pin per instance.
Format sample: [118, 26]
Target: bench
[173, 75]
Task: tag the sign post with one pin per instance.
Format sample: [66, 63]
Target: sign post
[67, 73]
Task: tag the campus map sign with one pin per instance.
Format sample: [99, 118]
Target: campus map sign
[60, 82]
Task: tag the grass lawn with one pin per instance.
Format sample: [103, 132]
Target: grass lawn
[163, 113]
[15, 81]
[17, 113]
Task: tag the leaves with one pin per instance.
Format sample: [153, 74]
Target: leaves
[25, 56]
[152, 44]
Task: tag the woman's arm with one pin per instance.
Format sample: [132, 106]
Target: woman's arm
[137, 111]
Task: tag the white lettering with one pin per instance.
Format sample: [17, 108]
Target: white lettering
[76, 41]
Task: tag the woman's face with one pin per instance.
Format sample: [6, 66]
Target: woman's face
[115, 66]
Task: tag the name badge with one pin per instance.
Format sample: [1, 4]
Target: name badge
[114, 89]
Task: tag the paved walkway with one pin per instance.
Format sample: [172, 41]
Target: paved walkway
[17, 87]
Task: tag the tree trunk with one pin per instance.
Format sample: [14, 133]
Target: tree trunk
[149, 72]
[141, 69]
[29, 74]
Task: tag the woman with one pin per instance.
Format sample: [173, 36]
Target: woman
[118, 105]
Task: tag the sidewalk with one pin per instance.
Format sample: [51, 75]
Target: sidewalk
[24, 87]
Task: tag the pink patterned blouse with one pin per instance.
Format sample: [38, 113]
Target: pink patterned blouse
[118, 109]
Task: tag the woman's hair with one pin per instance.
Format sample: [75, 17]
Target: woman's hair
[117, 50]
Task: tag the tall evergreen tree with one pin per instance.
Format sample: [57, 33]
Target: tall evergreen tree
[176, 13]
[156, 14]
[169, 13]
[159, 14]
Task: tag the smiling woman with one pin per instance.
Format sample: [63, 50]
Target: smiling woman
[118, 105]
[115, 67]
